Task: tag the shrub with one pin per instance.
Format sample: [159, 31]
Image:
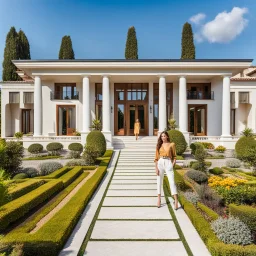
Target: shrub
[35, 148]
[245, 213]
[220, 149]
[180, 182]
[195, 166]
[233, 163]
[76, 147]
[3, 192]
[90, 154]
[49, 167]
[193, 147]
[208, 145]
[18, 135]
[77, 162]
[247, 132]
[250, 157]
[216, 171]
[20, 176]
[191, 197]
[232, 231]
[228, 182]
[178, 138]
[200, 156]
[54, 148]
[208, 211]
[74, 154]
[31, 172]
[97, 139]
[197, 176]
[242, 146]
[12, 157]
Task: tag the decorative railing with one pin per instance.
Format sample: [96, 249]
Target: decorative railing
[211, 138]
[194, 95]
[64, 96]
[45, 138]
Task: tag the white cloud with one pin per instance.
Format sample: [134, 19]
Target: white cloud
[197, 18]
[225, 27]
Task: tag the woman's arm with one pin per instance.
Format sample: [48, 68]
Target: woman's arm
[156, 161]
[173, 154]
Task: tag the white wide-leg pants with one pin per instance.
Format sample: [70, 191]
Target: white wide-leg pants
[166, 165]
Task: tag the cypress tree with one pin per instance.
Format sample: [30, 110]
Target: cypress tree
[131, 48]
[11, 52]
[66, 49]
[24, 47]
[187, 44]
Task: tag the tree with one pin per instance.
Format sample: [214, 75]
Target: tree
[11, 52]
[66, 50]
[131, 48]
[187, 44]
[24, 47]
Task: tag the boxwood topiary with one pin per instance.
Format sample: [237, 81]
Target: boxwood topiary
[216, 171]
[242, 146]
[178, 138]
[20, 176]
[97, 139]
[194, 146]
[76, 147]
[197, 176]
[35, 148]
[54, 148]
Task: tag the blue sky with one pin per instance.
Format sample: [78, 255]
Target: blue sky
[99, 28]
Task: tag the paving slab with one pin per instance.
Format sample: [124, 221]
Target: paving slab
[134, 230]
[132, 192]
[134, 174]
[141, 181]
[135, 170]
[145, 213]
[133, 177]
[132, 186]
[131, 201]
[138, 248]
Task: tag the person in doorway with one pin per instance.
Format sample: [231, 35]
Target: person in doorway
[137, 128]
[165, 160]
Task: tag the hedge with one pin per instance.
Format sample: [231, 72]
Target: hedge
[180, 182]
[23, 188]
[245, 213]
[16, 209]
[69, 177]
[42, 243]
[178, 138]
[209, 212]
[56, 174]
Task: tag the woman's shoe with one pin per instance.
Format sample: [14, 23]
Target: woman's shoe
[175, 207]
[159, 203]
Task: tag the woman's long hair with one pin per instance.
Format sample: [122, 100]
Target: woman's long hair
[160, 141]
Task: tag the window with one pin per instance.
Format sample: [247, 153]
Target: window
[14, 97]
[28, 97]
[232, 98]
[98, 102]
[98, 91]
[65, 92]
[243, 97]
[137, 91]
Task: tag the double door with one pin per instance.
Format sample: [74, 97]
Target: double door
[197, 119]
[127, 114]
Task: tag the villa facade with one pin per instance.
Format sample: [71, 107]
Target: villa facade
[210, 99]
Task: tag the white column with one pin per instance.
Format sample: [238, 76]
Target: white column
[37, 107]
[86, 104]
[162, 104]
[183, 106]
[105, 104]
[226, 107]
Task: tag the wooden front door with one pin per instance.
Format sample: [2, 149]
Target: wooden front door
[197, 119]
[66, 119]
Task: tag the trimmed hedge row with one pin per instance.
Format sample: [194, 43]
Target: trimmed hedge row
[245, 213]
[42, 243]
[210, 213]
[69, 177]
[23, 188]
[16, 209]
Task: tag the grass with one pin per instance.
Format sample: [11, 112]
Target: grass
[41, 158]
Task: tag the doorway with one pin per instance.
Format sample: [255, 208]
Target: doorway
[66, 120]
[25, 123]
[197, 119]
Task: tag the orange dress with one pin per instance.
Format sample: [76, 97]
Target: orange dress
[136, 128]
[170, 152]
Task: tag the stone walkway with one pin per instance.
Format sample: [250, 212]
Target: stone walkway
[129, 223]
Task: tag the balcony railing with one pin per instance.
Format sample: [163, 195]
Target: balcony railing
[194, 95]
[64, 96]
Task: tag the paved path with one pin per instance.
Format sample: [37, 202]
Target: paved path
[129, 223]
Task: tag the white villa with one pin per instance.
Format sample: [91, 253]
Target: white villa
[212, 100]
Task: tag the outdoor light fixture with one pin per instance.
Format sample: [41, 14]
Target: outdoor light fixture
[111, 109]
[150, 109]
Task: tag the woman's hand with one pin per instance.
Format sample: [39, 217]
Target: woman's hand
[157, 171]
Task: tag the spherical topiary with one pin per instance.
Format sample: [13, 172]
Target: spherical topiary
[216, 171]
[76, 147]
[49, 167]
[197, 176]
[194, 146]
[20, 176]
[232, 231]
[195, 166]
[243, 145]
[97, 139]
[178, 138]
[35, 148]
[54, 148]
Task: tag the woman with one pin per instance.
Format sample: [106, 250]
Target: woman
[165, 160]
[137, 128]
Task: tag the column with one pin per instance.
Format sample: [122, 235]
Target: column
[37, 107]
[183, 106]
[105, 104]
[162, 104]
[226, 107]
[86, 104]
